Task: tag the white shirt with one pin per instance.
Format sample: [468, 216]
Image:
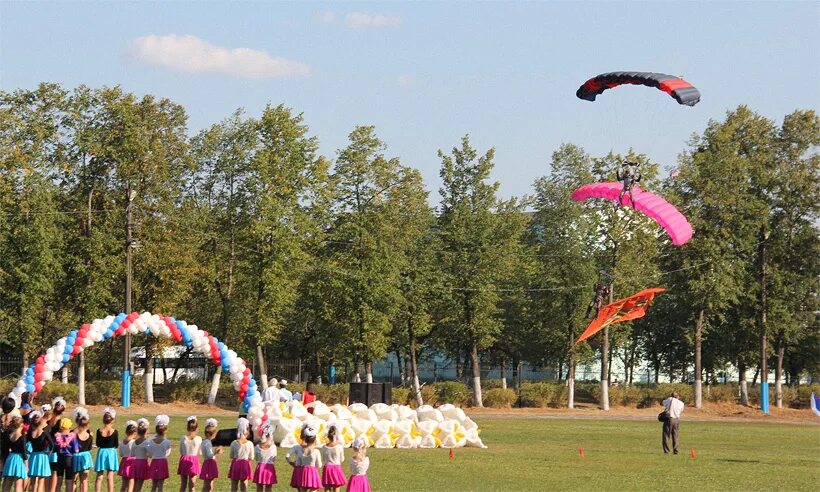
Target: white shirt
[359, 467]
[126, 449]
[159, 450]
[285, 394]
[241, 451]
[140, 451]
[208, 450]
[271, 394]
[674, 407]
[333, 455]
[266, 455]
[302, 459]
[190, 447]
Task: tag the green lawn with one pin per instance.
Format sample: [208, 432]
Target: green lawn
[543, 454]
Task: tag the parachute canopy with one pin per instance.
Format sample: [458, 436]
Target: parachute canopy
[661, 211]
[632, 307]
[681, 90]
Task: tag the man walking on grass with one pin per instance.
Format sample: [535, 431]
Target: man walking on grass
[674, 407]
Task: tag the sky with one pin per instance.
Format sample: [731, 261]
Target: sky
[427, 73]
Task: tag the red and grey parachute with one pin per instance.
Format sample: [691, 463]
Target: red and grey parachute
[681, 90]
[650, 204]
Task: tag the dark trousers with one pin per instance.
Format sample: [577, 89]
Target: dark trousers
[670, 428]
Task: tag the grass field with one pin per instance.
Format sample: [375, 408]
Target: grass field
[543, 454]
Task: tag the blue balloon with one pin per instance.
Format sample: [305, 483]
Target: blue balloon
[30, 388]
[29, 379]
[68, 348]
[66, 358]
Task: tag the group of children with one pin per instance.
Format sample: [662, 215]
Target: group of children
[40, 450]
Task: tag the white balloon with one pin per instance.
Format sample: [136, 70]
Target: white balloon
[87, 341]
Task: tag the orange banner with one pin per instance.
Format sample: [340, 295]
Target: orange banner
[632, 307]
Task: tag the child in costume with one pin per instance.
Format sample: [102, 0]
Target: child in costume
[140, 468]
[265, 474]
[126, 452]
[159, 448]
[13, 453]
[210, 469]
[358, 467]
[66, 445]
[241, 457]
[189, 449]
[333, 454]
[306, 461]
[39, 465]
[106, 465]
[82, 456]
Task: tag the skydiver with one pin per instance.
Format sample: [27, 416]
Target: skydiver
[601, 290]
[629, 174]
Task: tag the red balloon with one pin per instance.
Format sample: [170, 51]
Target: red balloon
[39, 385]
[38, 376]
[244, 388]
[77, 348]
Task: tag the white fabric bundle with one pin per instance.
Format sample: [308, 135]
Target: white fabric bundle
[296, 410]
[361, 427]
[342, 412]
[450, 411]
[451, 434]
[284, 434]
[321, 411]
[472, 440]
[384, 412]
[382, 434]
[426, 412]
[359, 410]
[428, 430]
[345, 432]
[406, 413]
[407, 435]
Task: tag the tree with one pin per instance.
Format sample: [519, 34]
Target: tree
[477, 232]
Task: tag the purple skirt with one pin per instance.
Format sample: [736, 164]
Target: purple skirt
[159, 469]
[305, 477]
[188, 466]
[140, 470]
[210, 470]
[333, 476]
[358, 483]
[126, 467]
[240, 470]
[265, 474]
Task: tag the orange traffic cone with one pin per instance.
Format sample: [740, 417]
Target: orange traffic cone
[692, 453]
[581, 452]
[452, 454]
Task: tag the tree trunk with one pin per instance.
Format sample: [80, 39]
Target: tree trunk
[368, 367]
[503, 371]
[81, 380]
[778, 372]
[263, 368]
[477, 401]
[754, 378]
[604, 403]
[459, 366]
[571, 382]
[402, 375]
[764, 360]
[148, 378]
[214, 386]
[698, 367]
[64, 378]
[744, 389]
[414, 366]
[657, 369]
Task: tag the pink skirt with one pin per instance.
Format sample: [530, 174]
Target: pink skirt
[265, 474]
[333, 476]
[126, 467]
[210, 470]
[159, 469]
[358, 483]
[188, 466]
[296, 477]
[308, 478]
[240, 470]
[140, 469]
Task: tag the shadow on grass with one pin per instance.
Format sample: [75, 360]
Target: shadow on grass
[732, 460]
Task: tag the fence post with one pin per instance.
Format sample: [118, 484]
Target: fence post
[299, 374]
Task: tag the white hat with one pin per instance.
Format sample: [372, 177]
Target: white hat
[359, 442]
[111, 412]
[34, 413]
[308, 430]
[131, 422]
[242, 426]
[283, 382]
[143, 422]
[191, 418]
[57, 400]
[162, 419]
[267, 431]
[80, 412]
[272, 382]
[45, 407]
[211, 422]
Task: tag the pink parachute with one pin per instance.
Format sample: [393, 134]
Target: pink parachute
[661, 211]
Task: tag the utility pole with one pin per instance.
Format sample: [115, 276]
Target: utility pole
[126, 364]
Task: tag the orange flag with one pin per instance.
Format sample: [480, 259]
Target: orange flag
[632, 307]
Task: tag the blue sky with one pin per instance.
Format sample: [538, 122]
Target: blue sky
[426, 73]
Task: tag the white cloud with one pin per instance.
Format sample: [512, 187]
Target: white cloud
[327, 17]
[404, 80]
[360, 20]
[191, 54]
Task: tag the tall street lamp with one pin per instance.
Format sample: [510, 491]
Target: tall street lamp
[129, 243]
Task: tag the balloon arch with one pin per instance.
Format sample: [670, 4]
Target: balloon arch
[42, 370]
